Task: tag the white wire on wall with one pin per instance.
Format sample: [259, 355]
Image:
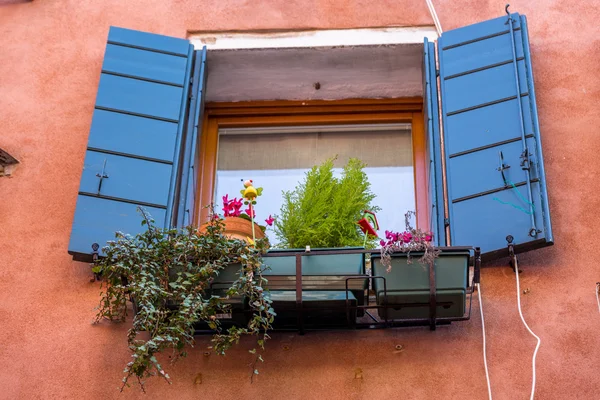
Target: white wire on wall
[598, 298]
[487, 373]
[539, 341]
[436, 21]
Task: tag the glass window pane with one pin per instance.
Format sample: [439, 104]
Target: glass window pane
[277, 159]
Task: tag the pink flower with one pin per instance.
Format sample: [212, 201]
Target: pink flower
[250, 211]
[407, 237]
[236, 207]
[428, 237]
[382, 242]
[269, 221]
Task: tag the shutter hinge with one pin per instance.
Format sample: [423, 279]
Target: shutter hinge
[525, 159]
[437, 72]
[446, 221]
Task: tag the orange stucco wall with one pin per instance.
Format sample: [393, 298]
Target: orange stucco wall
[50, 58]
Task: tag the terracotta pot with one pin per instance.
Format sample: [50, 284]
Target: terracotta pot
[239, 228]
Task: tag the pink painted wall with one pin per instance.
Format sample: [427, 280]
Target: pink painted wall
[50, 58]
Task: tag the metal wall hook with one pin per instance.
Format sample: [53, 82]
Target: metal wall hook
[506, 9]
[502, 167]
[102, 176]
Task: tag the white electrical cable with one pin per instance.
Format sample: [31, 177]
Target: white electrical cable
[597, 298]
[487, 373]
[539, 341]
[436, 21]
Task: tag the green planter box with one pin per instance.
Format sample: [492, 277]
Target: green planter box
[320, 307]
[408, 285]
[323, 282]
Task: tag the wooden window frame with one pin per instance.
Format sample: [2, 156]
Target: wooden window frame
[310, 112]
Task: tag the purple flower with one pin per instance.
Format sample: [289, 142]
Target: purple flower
[269, 221]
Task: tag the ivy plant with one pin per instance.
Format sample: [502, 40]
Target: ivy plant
[323, 210]
[167, 274]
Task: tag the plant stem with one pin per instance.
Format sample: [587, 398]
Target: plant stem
[252, 222]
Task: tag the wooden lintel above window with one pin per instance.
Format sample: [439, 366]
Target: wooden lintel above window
[289, 107]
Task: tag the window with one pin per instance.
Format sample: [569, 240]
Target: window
[277, 159]
[478, 167]
[277, 156]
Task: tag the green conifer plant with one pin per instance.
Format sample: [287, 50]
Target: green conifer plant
[322, 211]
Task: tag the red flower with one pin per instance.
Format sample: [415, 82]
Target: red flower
[250, 211]
[407, 237]
[428, 237]
[269, 221]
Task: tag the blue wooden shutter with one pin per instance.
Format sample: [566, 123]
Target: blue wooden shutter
[189, 175]
[134, 146]
[495, 178]
[430, 112]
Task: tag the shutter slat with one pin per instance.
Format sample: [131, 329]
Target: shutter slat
[476, 32]
[483, 88]
[124, 178]
[481, 54]
[149, 41]
[133, 135]
[154, 100]
[97, 220]
[144, 64]
[134, 146]
[482, 127]
[467, 180]
[487, 221]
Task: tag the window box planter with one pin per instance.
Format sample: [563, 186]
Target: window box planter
[402, 295]
[405, 293]
[322, 285]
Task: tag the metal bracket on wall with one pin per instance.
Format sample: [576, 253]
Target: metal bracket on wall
[95, 247]
[8, 163]
[511, 252]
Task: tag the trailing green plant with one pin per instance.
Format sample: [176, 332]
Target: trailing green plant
[167, 273]
[322, 211]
